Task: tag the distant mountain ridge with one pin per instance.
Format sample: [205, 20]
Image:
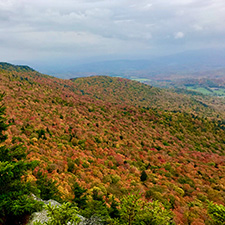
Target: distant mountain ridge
[18, 68]
[185, 63]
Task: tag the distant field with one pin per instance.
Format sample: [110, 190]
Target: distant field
[204, 88]
[208, 90]
[141, 79]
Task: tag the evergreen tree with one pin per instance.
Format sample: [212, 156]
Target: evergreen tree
[80, 198]
[48, 188]
[134, 211]
[144, 176]
[130, 208]
[96, 208]
[113, 210]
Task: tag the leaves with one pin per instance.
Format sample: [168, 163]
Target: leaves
[133, 210]
[217, 213]
[61, 215]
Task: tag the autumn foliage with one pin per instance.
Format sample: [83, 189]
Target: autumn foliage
[120, 137]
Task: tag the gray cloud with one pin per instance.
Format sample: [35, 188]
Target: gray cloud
[86, 28]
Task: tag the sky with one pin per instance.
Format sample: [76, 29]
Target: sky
[74, 30]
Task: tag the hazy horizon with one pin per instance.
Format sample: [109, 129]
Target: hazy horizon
[46, 33]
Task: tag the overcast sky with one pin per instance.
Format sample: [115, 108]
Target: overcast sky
[78, 29]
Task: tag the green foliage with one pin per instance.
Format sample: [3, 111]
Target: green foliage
[61, 215]
[113, 210]
[71, 166]
[130, 209]
[96, 207]
[153, 213]
[48, 188]
[80, 198]
[41, 134]
[10, 67]
[186, 180]
[217, 213]
[144, 176]
[23, 205]
[133, 210]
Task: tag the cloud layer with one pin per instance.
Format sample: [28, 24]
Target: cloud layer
[50, 29]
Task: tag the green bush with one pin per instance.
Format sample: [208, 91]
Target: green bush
[61, 215]
[133, 210]
[48, 188]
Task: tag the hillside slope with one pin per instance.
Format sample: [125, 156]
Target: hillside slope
[106, 136]
[124, 91]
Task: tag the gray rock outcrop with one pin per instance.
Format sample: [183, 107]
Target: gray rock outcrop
[42, 215]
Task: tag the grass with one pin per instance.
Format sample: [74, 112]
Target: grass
[208, 91]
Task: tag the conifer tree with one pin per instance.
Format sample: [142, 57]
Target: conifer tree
[144, 176]
[79, 195]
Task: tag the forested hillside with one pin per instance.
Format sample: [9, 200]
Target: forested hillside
[125, 91]
[114, 136]
[212, 85]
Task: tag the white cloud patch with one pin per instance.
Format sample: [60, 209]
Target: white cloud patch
[178, 35]
[197, 27]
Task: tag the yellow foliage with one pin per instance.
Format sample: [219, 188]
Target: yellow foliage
[34, 139]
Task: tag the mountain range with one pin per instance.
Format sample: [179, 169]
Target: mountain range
[195, 63]
[105, 132]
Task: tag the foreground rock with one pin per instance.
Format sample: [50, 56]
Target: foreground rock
[43, 218]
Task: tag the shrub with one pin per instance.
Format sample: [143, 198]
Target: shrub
[61, 215]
